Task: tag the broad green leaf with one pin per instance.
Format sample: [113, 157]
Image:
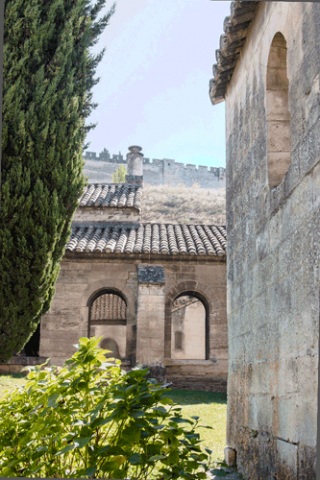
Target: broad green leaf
[52, 399]
[180, 420]
[66, 449]
[202, 475]
[218, 472]
[116, 450]
[159, 409]
[135, 459]
[193, 435]
[104, 421]
[103, 449]
[109, 466]
[166, 401]
[91, 471]
[138, 413]
[81, 442]
[154, 458]
[101, 358]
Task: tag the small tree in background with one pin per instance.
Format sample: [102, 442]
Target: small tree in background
[119, 176]
[48, 77]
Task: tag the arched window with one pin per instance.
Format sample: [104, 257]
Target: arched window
[108, 318]
[277, 107]
[108, 308]
[189, 328]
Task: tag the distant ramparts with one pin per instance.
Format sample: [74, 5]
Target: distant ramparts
[155, 172]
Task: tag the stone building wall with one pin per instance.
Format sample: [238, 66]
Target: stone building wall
[156, 172]
[273, 253]
[148, 330]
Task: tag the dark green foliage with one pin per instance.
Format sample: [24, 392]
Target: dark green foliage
[48, 77]
[92, 419]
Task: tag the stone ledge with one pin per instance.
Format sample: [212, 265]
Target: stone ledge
[207, 384]
[16, 364]
[24, 360]
[169, 362]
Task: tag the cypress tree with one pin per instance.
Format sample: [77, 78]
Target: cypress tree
[48, 76]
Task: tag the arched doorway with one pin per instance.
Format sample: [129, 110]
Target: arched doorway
[189, 328]
[108, 318]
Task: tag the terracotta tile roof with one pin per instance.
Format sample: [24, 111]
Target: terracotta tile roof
[149, 239]
[112, 195]
[236, 27]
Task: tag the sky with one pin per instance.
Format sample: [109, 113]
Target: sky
[154, 87]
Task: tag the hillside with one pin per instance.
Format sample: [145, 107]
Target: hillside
[167, 204]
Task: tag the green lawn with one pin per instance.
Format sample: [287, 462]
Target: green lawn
[210, 407]
[212, 410]
[8, 382]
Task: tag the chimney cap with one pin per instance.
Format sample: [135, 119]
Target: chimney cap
[135, 149]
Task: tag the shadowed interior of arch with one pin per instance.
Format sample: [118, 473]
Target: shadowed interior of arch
[110, 344]
[277, 108]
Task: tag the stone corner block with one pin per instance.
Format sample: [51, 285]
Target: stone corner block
[230, 456]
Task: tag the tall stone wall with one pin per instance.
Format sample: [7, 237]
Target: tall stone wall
[155, 172]
[273, 254]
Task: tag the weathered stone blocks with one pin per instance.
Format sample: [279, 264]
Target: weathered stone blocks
[274, 247]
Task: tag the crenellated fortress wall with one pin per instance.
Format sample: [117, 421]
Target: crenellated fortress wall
[155, 172]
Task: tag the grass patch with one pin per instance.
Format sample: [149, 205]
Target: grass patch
[8, 381]
[210, 407]
[212, 410]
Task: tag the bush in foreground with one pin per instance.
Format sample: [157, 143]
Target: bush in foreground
[92, 419]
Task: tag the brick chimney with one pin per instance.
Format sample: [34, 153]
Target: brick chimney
[135, 166]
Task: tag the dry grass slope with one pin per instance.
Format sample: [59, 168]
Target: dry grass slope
[184, 205]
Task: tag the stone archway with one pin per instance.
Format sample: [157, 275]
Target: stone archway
[108, 318]
[195, 289]
[188, 328]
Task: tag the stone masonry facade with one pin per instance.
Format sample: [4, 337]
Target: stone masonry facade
[273, 224]
[148, 329]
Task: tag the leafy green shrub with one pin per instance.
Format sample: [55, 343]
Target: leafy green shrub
[92, 419]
